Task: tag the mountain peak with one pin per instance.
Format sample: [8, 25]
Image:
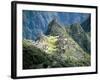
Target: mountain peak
[80, 36]
[54, 21]
[76, 27]
[56, 29]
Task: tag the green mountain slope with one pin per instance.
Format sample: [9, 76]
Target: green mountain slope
[80, 36]
[33, 57]
[56, 29]
[56, 49]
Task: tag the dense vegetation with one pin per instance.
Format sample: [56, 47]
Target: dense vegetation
[34, 58]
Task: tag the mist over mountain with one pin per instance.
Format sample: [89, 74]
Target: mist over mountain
[35, 22]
